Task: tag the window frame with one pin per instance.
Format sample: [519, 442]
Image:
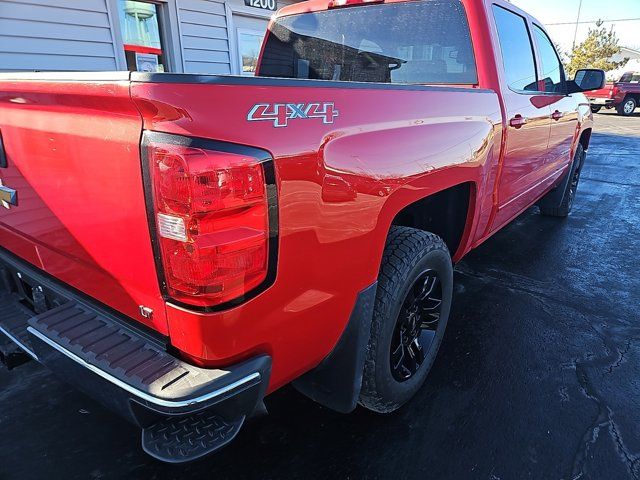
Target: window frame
[563, 76]
[534, 52]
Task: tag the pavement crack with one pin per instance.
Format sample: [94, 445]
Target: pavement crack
[592, 432]
[621, 354]
[603, 419]
[630, 460]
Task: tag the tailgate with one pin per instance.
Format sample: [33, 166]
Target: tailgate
[602, 92]
[73, 159]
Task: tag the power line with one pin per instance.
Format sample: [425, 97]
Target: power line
[595, 21]
[575, 33]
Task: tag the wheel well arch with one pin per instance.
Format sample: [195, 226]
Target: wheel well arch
[585, 138]
[444, 213]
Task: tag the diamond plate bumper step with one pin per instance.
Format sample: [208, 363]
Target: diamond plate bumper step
[187, 438]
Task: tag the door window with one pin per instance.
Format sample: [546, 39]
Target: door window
[552, 72]
[517, 51]
[141, 35]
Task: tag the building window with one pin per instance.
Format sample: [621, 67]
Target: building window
[140, 23]
[249, 44]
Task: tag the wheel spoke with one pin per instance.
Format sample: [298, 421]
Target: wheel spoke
[436, 302]
[418, 352]
[431, 322]
[397, 364]
[427, 287]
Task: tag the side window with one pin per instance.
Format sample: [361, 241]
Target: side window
[630, 77]
[517, 51]
[552, 72]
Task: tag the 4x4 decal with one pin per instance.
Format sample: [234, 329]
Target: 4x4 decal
[281, 113]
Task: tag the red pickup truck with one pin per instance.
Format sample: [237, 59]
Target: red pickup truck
[623, 95]
[180, 246]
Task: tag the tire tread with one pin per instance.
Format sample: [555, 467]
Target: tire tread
[409, 241]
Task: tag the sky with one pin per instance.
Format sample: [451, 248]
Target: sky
[565, 11]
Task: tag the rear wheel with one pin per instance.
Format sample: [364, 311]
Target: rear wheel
[627, 107]
[571, 189]
[411, 310]
[596, 108]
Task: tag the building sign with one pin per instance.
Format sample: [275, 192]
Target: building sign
[146, 62]
[262, 4]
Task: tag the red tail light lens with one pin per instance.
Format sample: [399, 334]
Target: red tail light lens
[212, 216]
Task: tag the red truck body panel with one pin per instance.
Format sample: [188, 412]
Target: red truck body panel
[82, 217]
[606, 92]
[74, 150]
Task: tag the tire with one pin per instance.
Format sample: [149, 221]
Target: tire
[596, 108]
[411, 258]
[627, 107]
[571, 189]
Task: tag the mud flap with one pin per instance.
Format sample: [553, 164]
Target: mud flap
[553, 198]
[336, 382]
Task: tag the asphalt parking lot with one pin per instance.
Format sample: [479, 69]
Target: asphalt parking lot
[537, 376]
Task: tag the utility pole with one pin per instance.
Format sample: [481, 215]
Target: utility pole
[575, 33]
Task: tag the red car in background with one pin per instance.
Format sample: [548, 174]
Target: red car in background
[624, 95]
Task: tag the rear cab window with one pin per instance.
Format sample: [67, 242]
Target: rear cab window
[424, 42]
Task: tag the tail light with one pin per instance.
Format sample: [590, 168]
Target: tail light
[211, 211]
[614, 91]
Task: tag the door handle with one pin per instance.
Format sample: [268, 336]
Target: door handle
[518, 121]
[557, 115]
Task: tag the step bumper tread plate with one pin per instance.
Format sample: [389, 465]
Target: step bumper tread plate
[126, 371]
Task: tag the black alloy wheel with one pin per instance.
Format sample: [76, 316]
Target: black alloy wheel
[416, 326]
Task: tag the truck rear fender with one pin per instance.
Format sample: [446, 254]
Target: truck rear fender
[427, 175]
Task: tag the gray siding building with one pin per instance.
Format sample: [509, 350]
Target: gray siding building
[191, 36]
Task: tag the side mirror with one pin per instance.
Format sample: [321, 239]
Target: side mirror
[587, 79]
